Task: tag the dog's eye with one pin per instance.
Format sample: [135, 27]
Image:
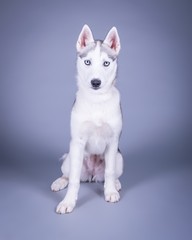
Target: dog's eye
[106, 63]
[87, 62]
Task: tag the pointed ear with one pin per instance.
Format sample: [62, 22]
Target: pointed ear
[85, 37]
[112, 40]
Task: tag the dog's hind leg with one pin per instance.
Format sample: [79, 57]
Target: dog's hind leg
[62, 182]
[59, 184]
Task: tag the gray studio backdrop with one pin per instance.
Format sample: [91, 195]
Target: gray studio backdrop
[37, 90]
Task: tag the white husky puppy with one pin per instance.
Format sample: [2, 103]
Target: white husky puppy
[96, 121]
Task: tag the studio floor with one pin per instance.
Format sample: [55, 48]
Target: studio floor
[155, 200]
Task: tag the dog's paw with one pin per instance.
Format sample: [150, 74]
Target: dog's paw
[112, 197]
[59, 184]
[65, 207]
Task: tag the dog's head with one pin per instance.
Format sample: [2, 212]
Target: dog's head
[97, 60]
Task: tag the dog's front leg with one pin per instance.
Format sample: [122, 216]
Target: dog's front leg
[110, 191]
[76, 159]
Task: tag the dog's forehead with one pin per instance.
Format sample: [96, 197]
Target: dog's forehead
[97, 48]
[89, 48]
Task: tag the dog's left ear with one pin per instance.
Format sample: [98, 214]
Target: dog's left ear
[85, 37]
[112, 40]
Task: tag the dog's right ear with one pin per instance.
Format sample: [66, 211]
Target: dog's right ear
[85, 37]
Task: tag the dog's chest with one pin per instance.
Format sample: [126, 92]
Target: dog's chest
[97, 137]
[98, 111]
[96, 121]
[99, 114]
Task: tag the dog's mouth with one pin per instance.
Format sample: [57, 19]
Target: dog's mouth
[95, 88]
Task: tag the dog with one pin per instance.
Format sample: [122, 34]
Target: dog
[96, 121]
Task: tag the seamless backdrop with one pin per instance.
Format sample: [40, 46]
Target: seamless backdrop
[37, 90]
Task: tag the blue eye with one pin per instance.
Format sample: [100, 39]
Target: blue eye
[106, 63]
[87, 62]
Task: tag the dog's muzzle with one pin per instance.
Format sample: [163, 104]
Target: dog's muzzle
[95, 83]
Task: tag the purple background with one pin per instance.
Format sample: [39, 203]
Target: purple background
[37, 90]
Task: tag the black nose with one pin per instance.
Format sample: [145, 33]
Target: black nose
[95, 83]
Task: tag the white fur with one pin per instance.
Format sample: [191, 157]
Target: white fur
[96, 122]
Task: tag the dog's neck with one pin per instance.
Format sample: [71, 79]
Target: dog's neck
[93, 96]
